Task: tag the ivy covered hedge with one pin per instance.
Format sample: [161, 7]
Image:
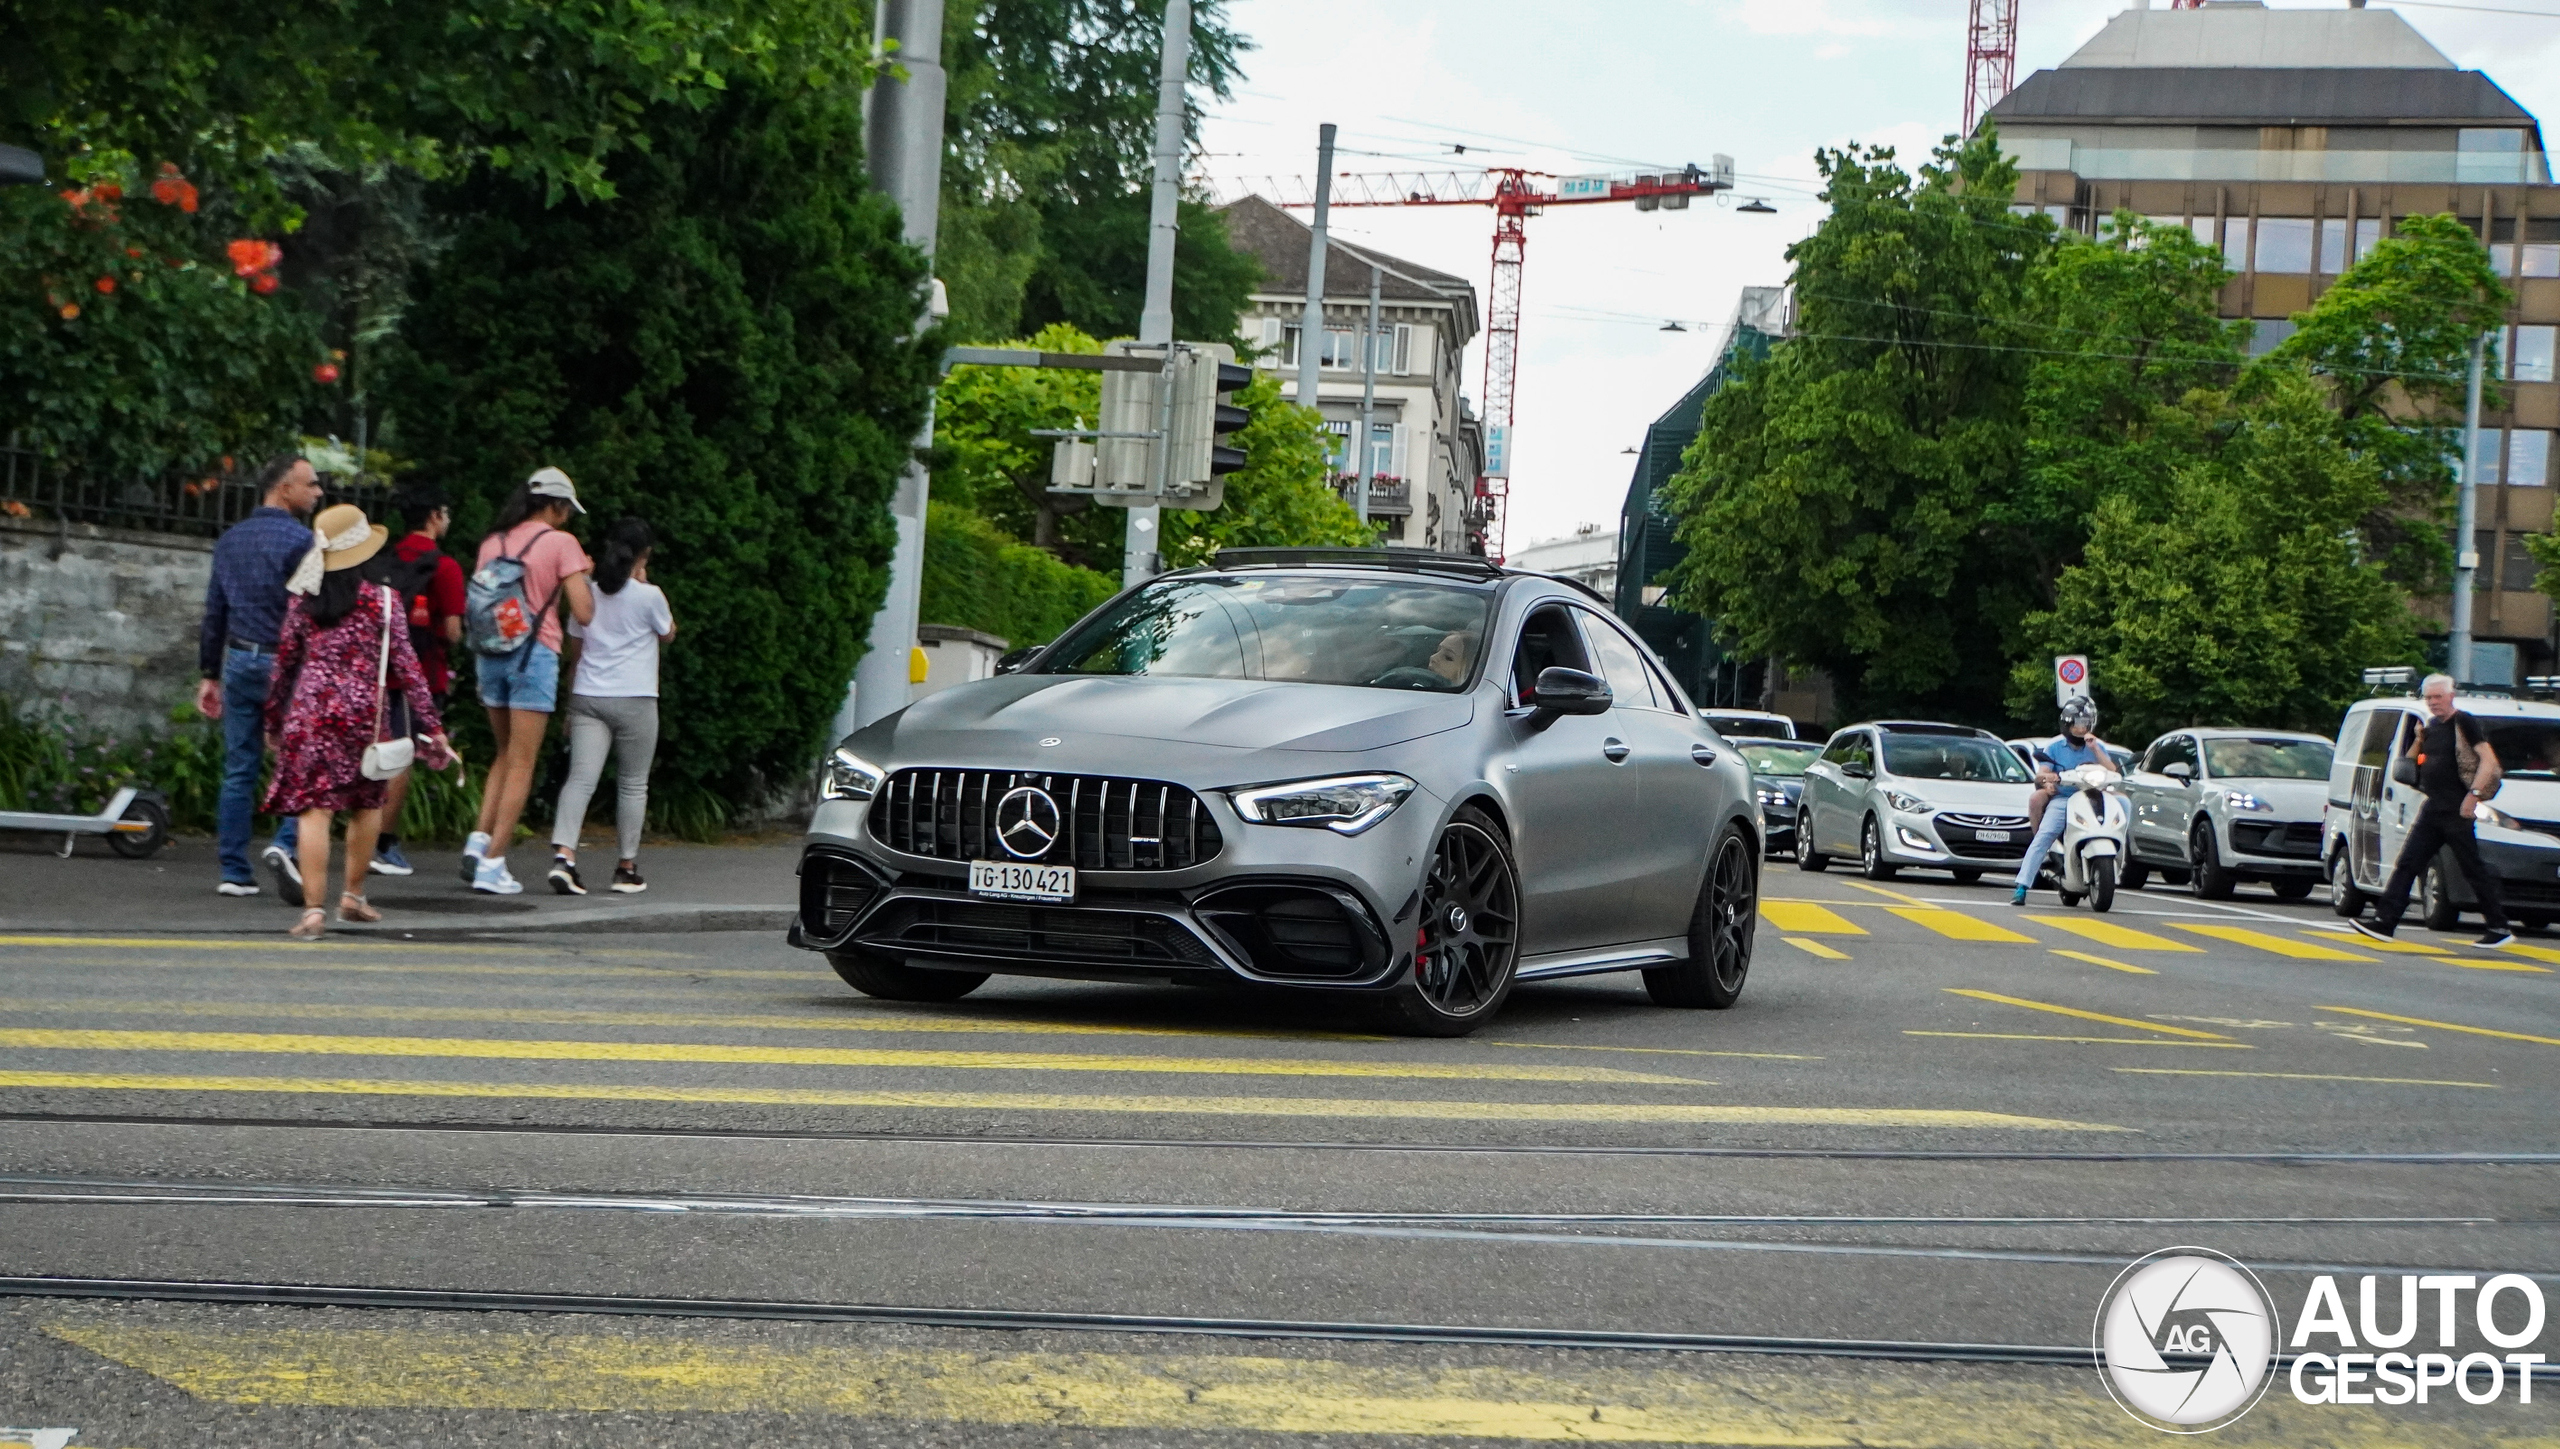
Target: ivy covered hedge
[978, 576]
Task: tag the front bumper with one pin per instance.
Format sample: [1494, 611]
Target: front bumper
[2262, 846]
[1917, 840]
[2526, 865]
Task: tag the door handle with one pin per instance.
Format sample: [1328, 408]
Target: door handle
[1702, 754]
[1615, 749]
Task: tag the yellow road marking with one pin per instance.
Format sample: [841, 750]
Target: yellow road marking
[2535, 953]
[2186, 1031]
[2241, 1046]
[1806, 916]
[2103, 961]
[318, 960]
[270, 944]
[2280, 945]
[1813, 947]
[1859, 885]
[2446, 1025]
[2300, 1077]
[510, 1049]
[2108, 933]
[1678, 1114]
[850, 1019]
[1575, 1046]
[2402, 948]
[1957, 926]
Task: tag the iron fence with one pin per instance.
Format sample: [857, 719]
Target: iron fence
[202, 504]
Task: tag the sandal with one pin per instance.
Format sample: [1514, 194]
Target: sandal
[314, 921]
[353, 907]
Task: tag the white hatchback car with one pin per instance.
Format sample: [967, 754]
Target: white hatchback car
[1895, 793]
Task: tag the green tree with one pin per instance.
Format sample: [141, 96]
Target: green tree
[1836, 503]
[2240, 593]
[978, 576]
[727, 349]
[2392, 339]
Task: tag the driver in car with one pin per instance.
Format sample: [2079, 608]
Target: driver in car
[1455, 656]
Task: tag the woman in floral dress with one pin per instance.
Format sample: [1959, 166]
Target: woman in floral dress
[323, 705]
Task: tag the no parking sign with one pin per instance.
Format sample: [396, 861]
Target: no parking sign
[2070, 677]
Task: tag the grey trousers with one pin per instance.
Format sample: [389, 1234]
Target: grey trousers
[629, 728]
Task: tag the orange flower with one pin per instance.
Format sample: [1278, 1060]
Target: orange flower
[133, 251]
[250, 256]
[263, 283]
[173, 188]
[70, 311]
[325, 374]
[110, 192]
[106, 286]
[14, 508]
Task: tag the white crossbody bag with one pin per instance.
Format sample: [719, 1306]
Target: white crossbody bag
[386, 758]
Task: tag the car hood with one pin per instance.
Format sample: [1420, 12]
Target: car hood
[2292, 799]
[2535, 800]
[1236, 714]
[1971, 797]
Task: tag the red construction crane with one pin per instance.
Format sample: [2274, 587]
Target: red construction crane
[1990, 57]
[1515, 195]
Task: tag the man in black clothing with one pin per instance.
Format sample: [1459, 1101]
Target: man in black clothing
[2453, 797]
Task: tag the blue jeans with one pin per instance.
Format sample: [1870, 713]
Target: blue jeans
[528, 679]
[244, 751]
[2057, 813]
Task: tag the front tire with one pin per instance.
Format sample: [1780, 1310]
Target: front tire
[145, 844]
[2291, 888]
[890, 979]
[1967, 876]
[2102, 883]
[2211, 881]
[1464, 967]
[1721, 933]
[2435, 899]
[2344, 898]
[1807, 858]
[1871, 861]
[2134, 876]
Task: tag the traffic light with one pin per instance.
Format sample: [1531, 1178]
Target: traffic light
[1161, 437]
[1202, 421]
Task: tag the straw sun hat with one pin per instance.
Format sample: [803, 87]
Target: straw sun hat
[341, 538]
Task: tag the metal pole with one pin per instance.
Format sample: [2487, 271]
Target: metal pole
[1368, 389]
[902, 137]
[1141, 549]
[1311, 321]
[2466, 556]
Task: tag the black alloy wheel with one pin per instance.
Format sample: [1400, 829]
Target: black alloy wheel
[891, 979]
[1807, 858]
[2344, 898]
[1721, 932]
[1871, 861]
[1469, 937]
[2212, 880]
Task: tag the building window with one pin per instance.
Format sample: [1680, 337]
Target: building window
[2528, 458]
[2529, 352]
[2284, 244]
[2235, 243]
[2520, 567]
[1338, 351]
[1404, 348]
[2202, 226]
[2541, 259]
[2267, 334]
[2336, 254]
[1338, 444]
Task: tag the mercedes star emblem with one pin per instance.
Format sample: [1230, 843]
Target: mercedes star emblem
[1026, 822]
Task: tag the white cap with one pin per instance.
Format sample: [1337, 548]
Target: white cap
[552, 483]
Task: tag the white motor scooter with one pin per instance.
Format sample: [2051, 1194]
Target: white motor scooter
[2090, 856]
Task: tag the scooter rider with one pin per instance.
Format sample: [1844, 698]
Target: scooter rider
[2077, 745]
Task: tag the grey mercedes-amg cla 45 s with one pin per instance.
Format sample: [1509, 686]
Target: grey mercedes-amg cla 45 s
[1406, 779]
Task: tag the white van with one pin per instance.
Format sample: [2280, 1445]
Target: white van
[2369, 813]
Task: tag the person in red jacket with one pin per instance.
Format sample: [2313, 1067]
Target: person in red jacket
[430, 582]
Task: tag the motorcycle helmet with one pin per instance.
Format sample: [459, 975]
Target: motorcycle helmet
[2082, 712]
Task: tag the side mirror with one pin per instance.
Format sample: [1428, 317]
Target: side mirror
[2180, 771]
[1569, 691]
[1013, 660]
[1856, 771]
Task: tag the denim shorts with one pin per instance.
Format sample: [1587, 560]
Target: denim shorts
[528, 679]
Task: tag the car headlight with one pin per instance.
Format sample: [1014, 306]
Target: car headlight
[2491, 815]
[2243, 800]
[1773, 797]
[1907, 804]
[1344, 804]
[848, 776]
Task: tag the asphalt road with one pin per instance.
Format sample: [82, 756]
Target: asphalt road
[1934, 1121]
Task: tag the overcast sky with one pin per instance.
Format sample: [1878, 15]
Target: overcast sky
[1627, 84]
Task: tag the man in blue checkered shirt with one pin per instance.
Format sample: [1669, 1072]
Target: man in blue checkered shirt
[236, 647]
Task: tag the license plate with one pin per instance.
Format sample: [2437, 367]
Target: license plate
[1000, 880]
[1989, 837]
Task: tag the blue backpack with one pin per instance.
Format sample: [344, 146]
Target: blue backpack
[498, 616]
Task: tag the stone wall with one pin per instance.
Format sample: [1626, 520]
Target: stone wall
[105, 617]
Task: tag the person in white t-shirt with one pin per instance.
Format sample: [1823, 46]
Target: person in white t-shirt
[613, 705]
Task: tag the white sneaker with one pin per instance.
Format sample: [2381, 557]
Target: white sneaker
[493, 878]
[238, 888]
[474, 850]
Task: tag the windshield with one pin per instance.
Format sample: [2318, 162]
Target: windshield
[2526, 747]
[2269, 759]
[1317, 630]
[1952, 757]
[1770, 758]
[1738, 727]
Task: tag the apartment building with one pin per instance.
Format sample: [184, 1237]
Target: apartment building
[1426, 446]
[2294, 140]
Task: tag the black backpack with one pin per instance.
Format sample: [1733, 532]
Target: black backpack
[411, 579]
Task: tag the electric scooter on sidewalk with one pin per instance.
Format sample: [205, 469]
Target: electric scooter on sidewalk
[135, 823]
[2090, 856]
